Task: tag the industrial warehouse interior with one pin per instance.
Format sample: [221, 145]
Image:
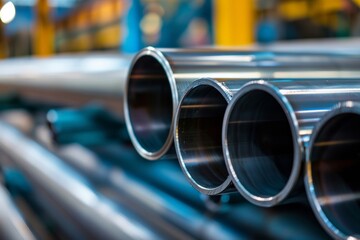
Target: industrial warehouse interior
[179, 119]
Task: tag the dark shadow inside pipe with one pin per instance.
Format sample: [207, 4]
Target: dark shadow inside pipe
[335, 167]
[260, 144]
[150, 103]
[199, 136]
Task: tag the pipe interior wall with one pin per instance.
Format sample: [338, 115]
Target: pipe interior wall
[332, 171]
[198, 125]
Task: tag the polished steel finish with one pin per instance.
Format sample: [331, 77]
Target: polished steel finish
[265, 129]
[332, 171]
[158, 79]
[12, 224]
[62, 184]
[72, 80]
[197, 133]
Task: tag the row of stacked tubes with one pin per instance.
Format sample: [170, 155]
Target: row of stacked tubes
[276, 127]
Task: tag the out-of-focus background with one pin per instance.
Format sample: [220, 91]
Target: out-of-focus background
[46, 27]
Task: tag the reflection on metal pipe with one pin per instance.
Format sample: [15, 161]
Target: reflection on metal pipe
[12, 225]
[198, 124]
[265, 128]
[101, 217]
[332, 171]
[72, 80]
[158, 78]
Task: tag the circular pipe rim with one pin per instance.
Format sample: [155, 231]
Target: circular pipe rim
[225, 92]
[330, 228]
[159, 56]
[297, 144]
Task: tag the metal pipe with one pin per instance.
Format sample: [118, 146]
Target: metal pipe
[265, 129]
[332, 171]
[198, 124]
[66, 187]
[158, 78]
[72, 80]
[12, 224]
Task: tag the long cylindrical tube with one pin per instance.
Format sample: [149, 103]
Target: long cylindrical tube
[332, 171]
[72, 80]
[100, 216]
[265, 129]
[12, 224]
[198, 125]
[158, 78]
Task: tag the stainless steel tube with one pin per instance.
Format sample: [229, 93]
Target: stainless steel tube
[332, 171]
[62, 184]
[158, 78]
[265, 129]
[198, 124]
[72, 80]
[12, 224]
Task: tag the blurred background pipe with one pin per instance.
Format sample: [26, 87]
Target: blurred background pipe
[266, 128]
[12, 224]
[73, 80]
[158, 78]
[332, 171]
[64, 186]
[153, 201]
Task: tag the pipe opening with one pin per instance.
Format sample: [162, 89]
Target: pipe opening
[150, 103]
[260, 144]
[335, 166]
[199, 136]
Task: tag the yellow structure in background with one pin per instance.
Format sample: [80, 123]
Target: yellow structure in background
[234, 22]
[44, 32]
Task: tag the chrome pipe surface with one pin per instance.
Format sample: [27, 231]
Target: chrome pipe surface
[332, 171]
[158, 78]
[12, 224]
[266, 129]
[197, 136]
[61, 183]
[72, 80]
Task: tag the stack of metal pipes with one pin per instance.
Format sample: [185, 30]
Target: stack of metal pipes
[269, 125]
[274, 127]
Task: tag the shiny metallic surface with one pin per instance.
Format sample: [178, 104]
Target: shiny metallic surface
[266, 128]
[198, 124]
[72, 80]
[158, 79]
[332, 171]
[12, 224]
[62, 184]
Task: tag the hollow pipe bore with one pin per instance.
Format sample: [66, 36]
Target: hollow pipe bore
[333, 165]
[198, 125]
[150, 103]
[261, 145]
